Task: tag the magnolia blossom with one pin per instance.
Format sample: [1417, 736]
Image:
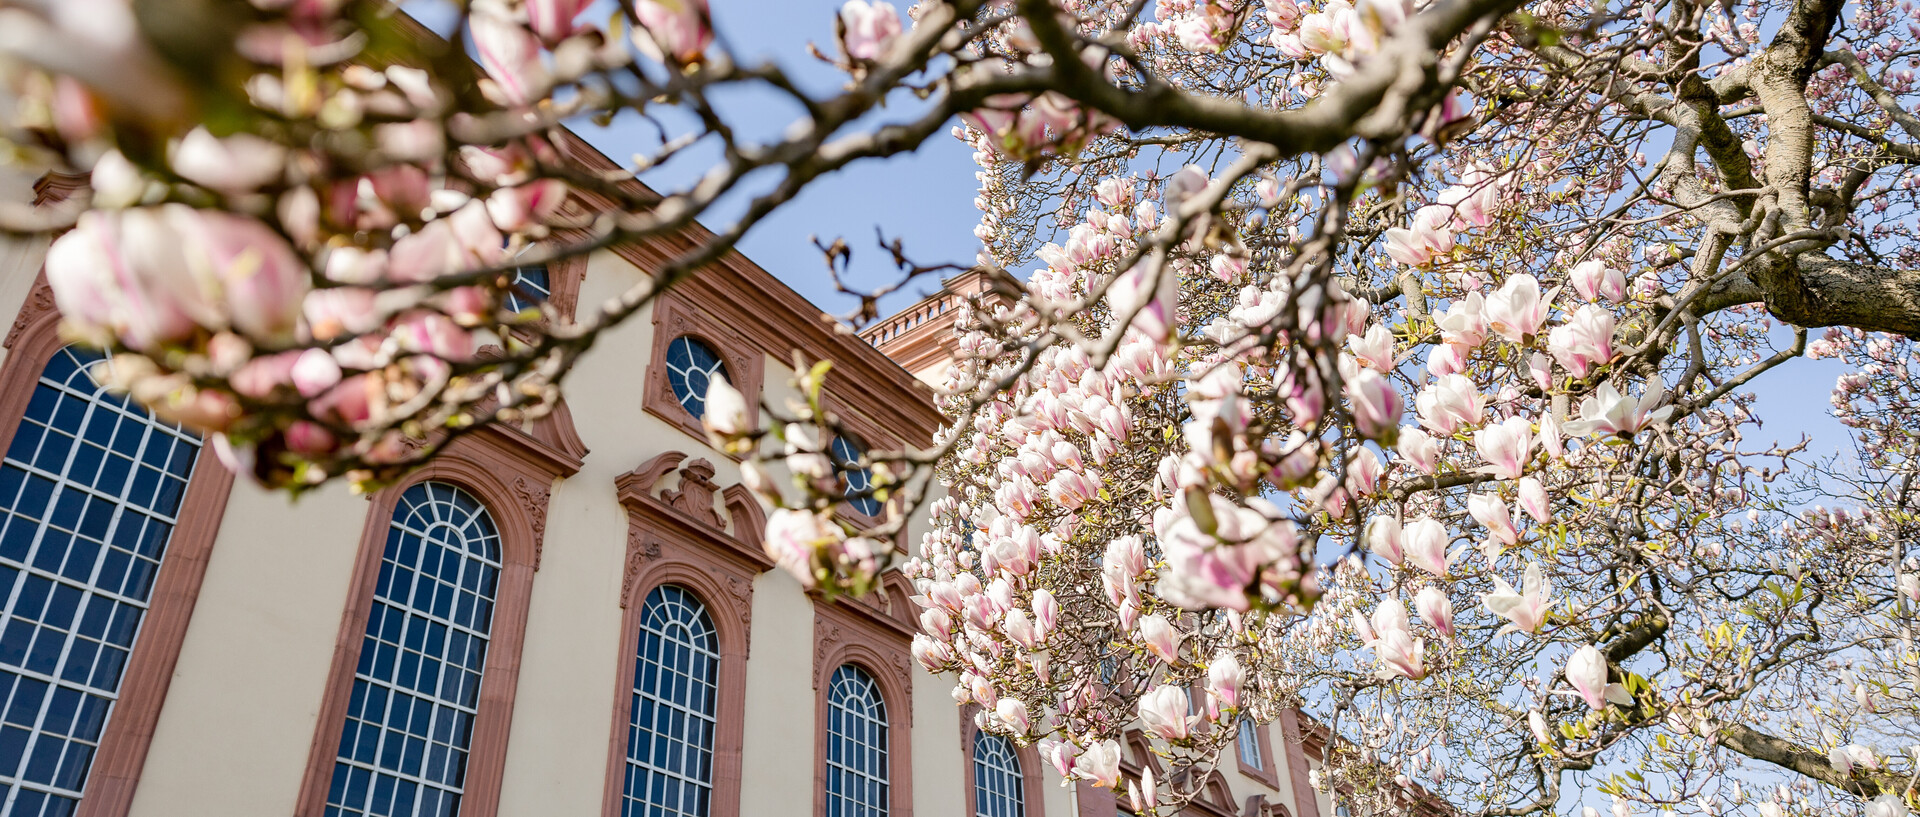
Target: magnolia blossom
[726, 414]
[1464, 324]
[1491, 511]
[235, 164]
[1400, 654]
[1157, 635]
[1163, 712]
[1526, 611]
[1224, 677]
[1507, 446]
[553, 19]
[1517, 310]
[1887, 805]
[1426, 543]
[1374, 349]
[1610, 412]
[1419, 449]
[1587, 672]
[1595, 280]
[870, 28]
[1429, 237]
[1383, 538]
[1100, 763]
[1151, 303]
[1533, 500]
[794, 536]
[1013, 713]
[673, 30]
[1449, 404]
[1376, 405]
[151, 276]
[510, 53]
[1435, 609]
[1584, 341]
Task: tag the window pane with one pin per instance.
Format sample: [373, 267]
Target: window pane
[414, 696]
[856, 745]
[77, 562]
[997, 785]
[676, 684]
[691, 367]
[531, 286]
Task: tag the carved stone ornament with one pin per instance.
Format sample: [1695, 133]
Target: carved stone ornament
[534, 499]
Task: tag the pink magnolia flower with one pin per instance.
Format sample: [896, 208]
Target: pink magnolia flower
[510, 53]
[1384, 538]
[1525, 610]
[1517, 309]
[932, 654]
[1550, 436]
[1595, 280]
[516, 208]
[1157, 635]
[1073, 489]
[1282, 14]
[1046, 611]
[1363, 472]
[1399, 652]
[1419, 450]
[151, 276]
[726, 414]
[1376, 405]
[1488, 510]
[793, 536]
[936, 622]
[1163, 712]
[553, 19]
[1584, 341]
[1540, 368]
[1587, 671]
[1445, 359]
[1100, 763]
[1533, 500]
[1013, 713]
[1155, 301]
[1464, 323]
[1448, 404]
[240, 163]
[1327, 32]
[1217, 569]
[1184, 184]
[1427, 239]
[676, 31]
[1224, 677]
[1374, 349]
[1609, 412]
[870, 28]
[1507, 446]
[1020, 628]
[1435, 609]
[1426, 543]
[1125, 555]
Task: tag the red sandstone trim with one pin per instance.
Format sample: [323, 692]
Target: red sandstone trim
[1032, 795]
[674, 316]
[33, 340]
[513, 476]
[670, 540]
[877, 639]
[1305, 804]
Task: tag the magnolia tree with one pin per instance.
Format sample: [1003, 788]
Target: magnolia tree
[1381, 360]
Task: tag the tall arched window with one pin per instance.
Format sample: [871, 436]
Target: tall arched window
[89, 490]
[676, 689]
[417, 688]
[998, 790]
[856, 745]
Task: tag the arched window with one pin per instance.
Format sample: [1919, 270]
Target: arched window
[998, 790]
[859, 480]
[690, 366]
[532, 285]
[676, 688]
[856, 745]
[417, 688]
[89, 490]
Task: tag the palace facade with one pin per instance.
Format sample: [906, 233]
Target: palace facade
[575, 617]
